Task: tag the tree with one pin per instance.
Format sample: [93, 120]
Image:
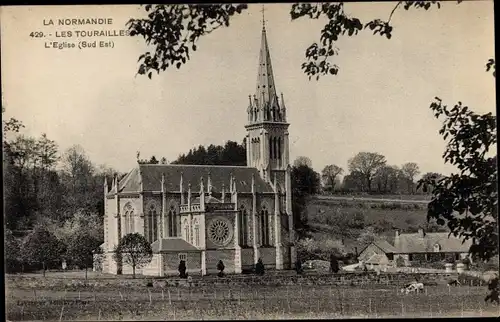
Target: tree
[12, 250]
[468, 201]
[367, 236]
[334, 264]
[354, 181]
[175, 29]
[367, 164]
[40, 246]
[409, 171]
[305, 183]
[78, 176]
[81, 249]
[330, 174]
[231, 153]
[429, 177]
[302, 161]
[400, 261]
[134, 250]
[386, 178]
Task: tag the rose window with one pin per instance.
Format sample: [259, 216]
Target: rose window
[220, 231]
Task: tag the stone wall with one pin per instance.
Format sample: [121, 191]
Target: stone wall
[348, 279]
[213, 256]
[171, 263]
[268, 256]
[247, 258]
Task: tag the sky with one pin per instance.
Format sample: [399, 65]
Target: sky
[378, 102]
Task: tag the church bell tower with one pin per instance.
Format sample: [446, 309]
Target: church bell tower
[267, 129]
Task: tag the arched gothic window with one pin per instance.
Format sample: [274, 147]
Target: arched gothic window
[196, 233]
[186, 231]
[264, 224]
[271, 148]
[243, 226]
[279, 149]
[153, 218]
[276, 149]
[172, 222]
[129, 219]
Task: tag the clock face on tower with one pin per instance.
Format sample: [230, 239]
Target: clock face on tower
[220, 231]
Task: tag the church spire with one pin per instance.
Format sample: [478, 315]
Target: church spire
[265, 91]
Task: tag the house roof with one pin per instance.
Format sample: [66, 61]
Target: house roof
[172, 244]
[383, 245]
[208, 199]
[151, 174]
[414, 243]
[377, 259]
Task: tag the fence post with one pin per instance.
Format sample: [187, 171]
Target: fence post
[99, 317]
[169, 297]
[162, 295]
[62, 311]
[370, 304]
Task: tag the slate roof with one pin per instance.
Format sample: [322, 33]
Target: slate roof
[377, 259]
[413, 243]
[172, 244]
[383, 245]
[208, 199]
[151, 178]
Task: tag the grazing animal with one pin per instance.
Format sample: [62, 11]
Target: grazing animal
[413, 288]
[453, 283]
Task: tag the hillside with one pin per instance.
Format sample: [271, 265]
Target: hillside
[342, 225]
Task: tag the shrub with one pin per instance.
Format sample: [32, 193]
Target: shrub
[400, 261]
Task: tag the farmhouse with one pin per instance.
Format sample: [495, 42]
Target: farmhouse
[378, 254]
[422, 246]
[203, 214]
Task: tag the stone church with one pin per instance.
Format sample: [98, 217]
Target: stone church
[203, 214]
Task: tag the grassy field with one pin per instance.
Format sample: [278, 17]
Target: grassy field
[249, 302]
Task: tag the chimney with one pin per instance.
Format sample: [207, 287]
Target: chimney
[421, 233]
[396, 239]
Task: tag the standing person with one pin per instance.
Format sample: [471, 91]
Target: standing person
[334, 264]
[298, 266]
[259, 267]
[220, 267]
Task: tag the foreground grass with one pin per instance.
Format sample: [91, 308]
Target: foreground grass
[248, 302]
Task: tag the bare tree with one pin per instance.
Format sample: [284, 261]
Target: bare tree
[330, 174]
[409, 171]
[367, 164]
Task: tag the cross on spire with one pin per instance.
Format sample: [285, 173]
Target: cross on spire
[263, 18]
